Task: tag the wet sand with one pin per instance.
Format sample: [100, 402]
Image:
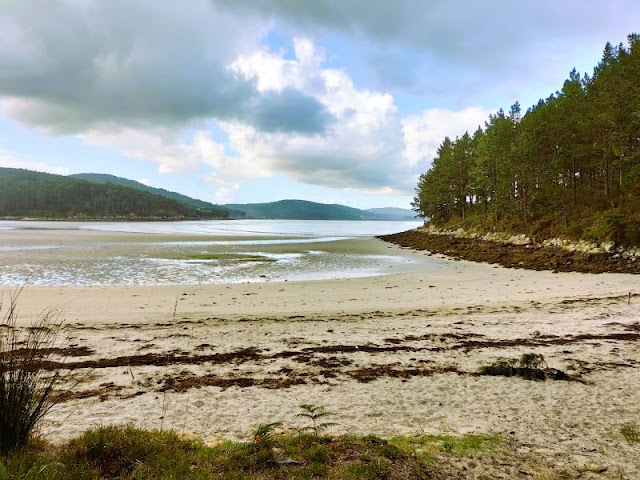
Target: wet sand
[393, 354]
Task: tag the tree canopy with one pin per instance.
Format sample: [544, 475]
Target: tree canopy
[570, 166]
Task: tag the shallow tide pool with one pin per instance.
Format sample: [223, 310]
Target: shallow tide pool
[159, 253]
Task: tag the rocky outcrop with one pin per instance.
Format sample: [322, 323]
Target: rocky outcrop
[520, 251]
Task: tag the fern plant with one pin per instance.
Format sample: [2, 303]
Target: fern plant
[263, 443]
[315, 414]
[263, 435]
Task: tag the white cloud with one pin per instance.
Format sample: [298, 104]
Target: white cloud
[160, 146]
[148, 79]
[272, 72]
[10, 160]
[456, 53]
[362, 148]
[369, 148]
[145, 181]
[172, 154]
[68, 67]
[424, 133]
[225, 190]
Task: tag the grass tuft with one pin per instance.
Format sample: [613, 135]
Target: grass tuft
[529, 366]
[25, 387]
[428, 446]
[117, 451]
[630, 432]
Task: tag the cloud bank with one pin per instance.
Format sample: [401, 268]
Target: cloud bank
[69, 66]
[159, 81]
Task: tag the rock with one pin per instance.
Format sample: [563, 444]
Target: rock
[555, 254]
[521, 239]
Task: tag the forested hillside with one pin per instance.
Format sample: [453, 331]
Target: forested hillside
[205, 208]
[570, 166]
[24, 193]
[303, 210]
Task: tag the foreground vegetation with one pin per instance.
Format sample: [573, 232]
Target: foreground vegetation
[568, 167]
[25, 387]
[130, 453]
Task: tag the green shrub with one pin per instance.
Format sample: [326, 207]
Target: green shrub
[614, 226]
[114, 451]
[527, 366]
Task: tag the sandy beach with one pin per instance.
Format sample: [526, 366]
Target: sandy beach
[388, 354]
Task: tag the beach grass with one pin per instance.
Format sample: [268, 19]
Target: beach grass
[25, 386]
[130, 453]
[631, 432]
[427, 446]
[127, 452]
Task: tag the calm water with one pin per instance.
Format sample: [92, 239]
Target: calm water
[153, 253]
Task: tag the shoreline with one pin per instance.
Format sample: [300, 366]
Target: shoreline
[512, 255]
[112, 219]
[456, 285]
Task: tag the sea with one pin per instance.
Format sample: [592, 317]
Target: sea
[61, 253]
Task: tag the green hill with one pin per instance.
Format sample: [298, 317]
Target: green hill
[392, 213]
[303, 210]
[207, 208]
[24, 193]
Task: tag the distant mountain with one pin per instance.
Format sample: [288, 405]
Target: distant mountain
[393, 213]
[25, 193]
[305, 210]
[205, 207]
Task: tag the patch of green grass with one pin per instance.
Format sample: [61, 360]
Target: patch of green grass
[318, 453]
[378, 469]
[131, 453]
[121, 451]
[427, 446]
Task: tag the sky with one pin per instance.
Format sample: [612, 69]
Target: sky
[243, 101]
